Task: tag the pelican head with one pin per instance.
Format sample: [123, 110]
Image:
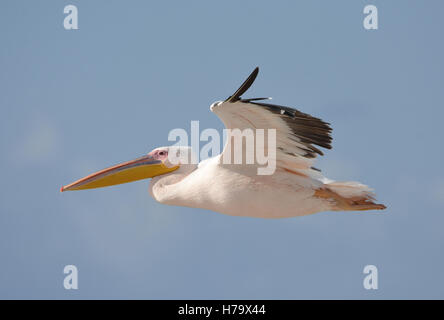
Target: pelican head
[160, 161]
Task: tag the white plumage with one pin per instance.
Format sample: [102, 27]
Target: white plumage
[295, 187]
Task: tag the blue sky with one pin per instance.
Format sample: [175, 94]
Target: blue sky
[76, 101]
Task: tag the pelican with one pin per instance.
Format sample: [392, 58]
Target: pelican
[295, 188]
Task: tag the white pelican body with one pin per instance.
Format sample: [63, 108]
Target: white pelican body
[215, 187]
[295, 188]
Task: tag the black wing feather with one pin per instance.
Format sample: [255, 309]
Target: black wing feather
[244, 87]
[308, 129]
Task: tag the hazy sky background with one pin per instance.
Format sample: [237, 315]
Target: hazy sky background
[73, 102]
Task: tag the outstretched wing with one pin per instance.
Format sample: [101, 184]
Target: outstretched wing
[298, 135]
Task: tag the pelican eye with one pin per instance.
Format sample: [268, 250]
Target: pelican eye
[161, 153]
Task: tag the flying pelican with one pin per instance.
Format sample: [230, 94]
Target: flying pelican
[295, 188]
